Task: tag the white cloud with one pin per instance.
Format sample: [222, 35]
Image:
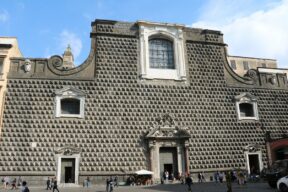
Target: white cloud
[67, 37]
[87, 16]
[262, 33]
[21, 5]
[4, 16]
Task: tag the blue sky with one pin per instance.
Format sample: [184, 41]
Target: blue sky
[256, 28]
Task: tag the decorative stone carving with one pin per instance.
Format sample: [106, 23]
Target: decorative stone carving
[273, 80]
[252, 148]
[252, 73]
[166, 120]
[27, 65]
[56, 61]
[165, 128]
[68, 150]
[245, 97]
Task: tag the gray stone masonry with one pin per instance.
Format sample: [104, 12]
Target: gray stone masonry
[120, 108]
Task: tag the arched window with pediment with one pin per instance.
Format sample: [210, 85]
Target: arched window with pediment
[161, 54]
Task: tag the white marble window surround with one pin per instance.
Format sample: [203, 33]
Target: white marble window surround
[248, 99]
[69, 93]
[172, 32]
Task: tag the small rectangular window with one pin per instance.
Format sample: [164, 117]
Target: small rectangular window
[70, 106]
[233, 64]
[1, 64]
[245, 65]
[264, 65]
[246, 110]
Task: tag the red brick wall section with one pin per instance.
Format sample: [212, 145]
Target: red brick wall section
[276, 145]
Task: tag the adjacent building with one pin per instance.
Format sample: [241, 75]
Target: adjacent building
[155, 96]
[241, 65]
[8, 48]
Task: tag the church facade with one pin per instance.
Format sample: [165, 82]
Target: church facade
[154, 96]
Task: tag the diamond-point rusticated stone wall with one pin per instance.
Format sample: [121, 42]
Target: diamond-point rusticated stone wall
[120, 109]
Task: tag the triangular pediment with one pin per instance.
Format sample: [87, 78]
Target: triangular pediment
[69, 91]
[252, 148]
[245, 97]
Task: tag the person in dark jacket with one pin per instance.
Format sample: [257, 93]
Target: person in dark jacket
[189, 182]
[48, 183]
[55, 187]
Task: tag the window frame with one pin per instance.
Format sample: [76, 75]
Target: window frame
[250, 99]
[73, 100]
[233, 64]
[69, 93]
[171, 46]
[171, 32]
[246, 65]
[2, 61]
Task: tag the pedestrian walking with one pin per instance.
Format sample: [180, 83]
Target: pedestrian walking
[111, 185]
[221, 177]
[189, 183]
[88, 182]
[107, 184]
[241, 178]
[115, 181]
[19, 184]
[48, 183]
[85, 183]
[228, 182]
[200, 178]
[55, 187]
[203, 177]
[52, 183]
[7, 181]
[24, 187]
[3, 182]
[216, 176]
[166, 176]
[13, 184]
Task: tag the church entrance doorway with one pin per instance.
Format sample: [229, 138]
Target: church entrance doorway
[67, 161]
[253, 156]
[168, 161]
[68, 170]
[168, 146]
[254, 164]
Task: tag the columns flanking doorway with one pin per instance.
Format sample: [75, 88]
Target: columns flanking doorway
[67, 162]
[168, 148]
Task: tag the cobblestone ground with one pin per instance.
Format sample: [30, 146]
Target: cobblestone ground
[198, 187]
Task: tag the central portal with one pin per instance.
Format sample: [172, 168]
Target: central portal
[168, 161]
[68, 170]
[168, 146]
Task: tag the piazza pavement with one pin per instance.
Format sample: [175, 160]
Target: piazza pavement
[197, 187]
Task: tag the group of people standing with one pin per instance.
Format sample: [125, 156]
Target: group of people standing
[52, 184]
[15, 184]
[111, 183]
[87, 182]
[239, 176]
[6, 182]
